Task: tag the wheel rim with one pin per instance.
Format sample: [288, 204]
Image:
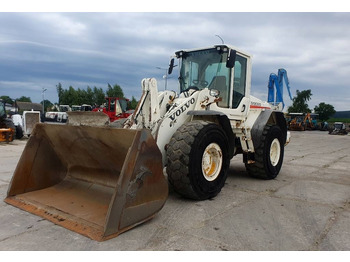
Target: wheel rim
[275, 152]
[212, 161]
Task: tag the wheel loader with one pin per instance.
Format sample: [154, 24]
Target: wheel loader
[101, 181]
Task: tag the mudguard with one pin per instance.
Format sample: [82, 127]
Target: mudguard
[268, 116]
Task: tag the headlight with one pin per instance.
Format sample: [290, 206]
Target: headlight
[214, 92]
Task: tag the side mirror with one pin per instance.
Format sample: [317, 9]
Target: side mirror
[171, 66]
[230, 63]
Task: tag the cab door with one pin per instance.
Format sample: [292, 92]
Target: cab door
[236, 105]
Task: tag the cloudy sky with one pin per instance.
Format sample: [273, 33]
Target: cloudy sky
[41, 49]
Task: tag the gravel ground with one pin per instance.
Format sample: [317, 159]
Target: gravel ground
[305, 208]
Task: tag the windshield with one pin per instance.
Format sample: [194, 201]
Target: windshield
[123, 104]
[119, 105]
[205, 68]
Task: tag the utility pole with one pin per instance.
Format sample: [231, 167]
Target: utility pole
[164, 76]
[43, 94]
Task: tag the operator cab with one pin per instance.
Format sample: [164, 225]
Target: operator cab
[116, 105]
[214, 68]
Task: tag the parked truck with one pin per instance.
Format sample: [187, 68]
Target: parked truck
[60, 115]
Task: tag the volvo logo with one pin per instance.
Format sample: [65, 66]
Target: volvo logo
[180, 110]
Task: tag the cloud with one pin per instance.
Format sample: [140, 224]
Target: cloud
[94, 49]
[62, 24]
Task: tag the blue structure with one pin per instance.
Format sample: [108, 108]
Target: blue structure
[277, 80]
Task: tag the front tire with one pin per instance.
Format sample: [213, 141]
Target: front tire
[269, 154]
[198, 160]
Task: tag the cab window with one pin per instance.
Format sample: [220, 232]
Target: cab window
[218, 77]
[239, 81]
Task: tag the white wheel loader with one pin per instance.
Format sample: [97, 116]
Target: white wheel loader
[102, 181]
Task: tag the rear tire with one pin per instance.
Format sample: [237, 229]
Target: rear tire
[269, 155]
[198, 160]
[19, 132]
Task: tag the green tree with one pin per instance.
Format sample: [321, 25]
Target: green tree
[89, 98]
[98, 96]
[47, 104]
[24, 99]
[300, 102]
[60, 92]
[324, 111]
[89, 95]
[71, 97]
[133, 103]
[80, 97]
[66, 96]
[115, 91]
[7, 99]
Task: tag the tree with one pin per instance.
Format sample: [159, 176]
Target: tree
[47, 104]
[115, 91]
[98, 96]
[299, 102]
[91, 96]
[324, 111]
[133, 103]
[24, 99]
[80, 97]
[60, 92]
[7, 99]
[71, 97]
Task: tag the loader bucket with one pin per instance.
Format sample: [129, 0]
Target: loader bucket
[97, 181]
[30, 118]
[87, 118]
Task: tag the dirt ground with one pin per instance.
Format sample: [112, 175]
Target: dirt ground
[307, 207]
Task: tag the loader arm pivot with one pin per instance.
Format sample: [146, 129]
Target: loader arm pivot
[147, 112]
